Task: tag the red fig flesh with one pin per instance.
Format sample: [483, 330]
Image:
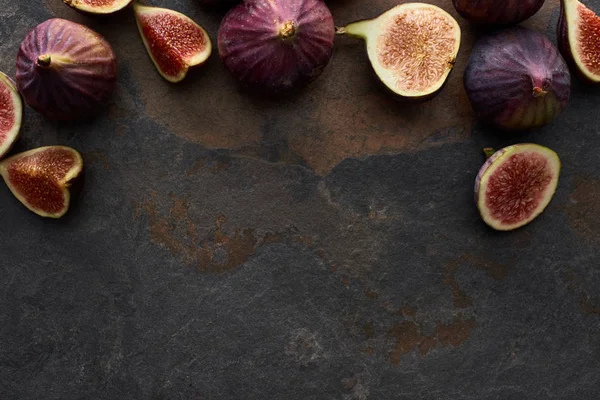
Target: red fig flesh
[65, 70]
[174, 41]
[516, 184]
[40, 178]
[579, 39]
[495, 12]
[11, 114]
[98, 6]
[274, 46]
[516, 79]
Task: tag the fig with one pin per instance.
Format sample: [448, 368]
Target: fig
[516, 184]
[275, 46]
[40, 178]
[412, 47]
[579, 39]
[98, 6]
[174, 42]
[516, 79]
[11, 114]
[66, 71]
[498, 13]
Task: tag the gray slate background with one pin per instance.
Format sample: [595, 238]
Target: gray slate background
[320, 247]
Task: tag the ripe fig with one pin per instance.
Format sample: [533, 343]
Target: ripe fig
[516, 184]
[579, 39]
[494, 12]
[40, 178]
[516, 79]
[274, 46]
[174, 42]
[412, 47]
[11, 114]
[65, 70]
[98, 6]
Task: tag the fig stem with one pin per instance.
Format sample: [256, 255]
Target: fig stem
[340, 30]
[287, 30]
[44, 60]
[539, 92]
[488, 151]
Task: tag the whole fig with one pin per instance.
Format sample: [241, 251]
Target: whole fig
[497, 12]
[65, 70]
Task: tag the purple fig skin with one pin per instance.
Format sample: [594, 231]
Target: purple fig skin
[516, 79]
[495, 12]
[274, 46]
[65, 70]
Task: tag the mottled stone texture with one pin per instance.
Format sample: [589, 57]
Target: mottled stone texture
[320, 247]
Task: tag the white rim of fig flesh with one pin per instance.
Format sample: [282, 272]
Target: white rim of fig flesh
[84, 5]
[11, 112]
[196, 60]
[400, 31]
[573, 10]
[64, 182]
[546, 175]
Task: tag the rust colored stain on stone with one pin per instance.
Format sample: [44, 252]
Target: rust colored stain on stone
[583, 209]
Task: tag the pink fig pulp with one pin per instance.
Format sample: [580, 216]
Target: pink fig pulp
[11, 114]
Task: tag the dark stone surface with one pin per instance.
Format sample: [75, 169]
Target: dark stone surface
[322, 247]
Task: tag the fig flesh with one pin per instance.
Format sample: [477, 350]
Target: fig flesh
[516, 184]
[412, 47]
[11, 114]
[174, 41]
[516, 79]
[98, 6]
[579, 39]
[275, 46]
[65, 70]
[494, 12]
[40, 178]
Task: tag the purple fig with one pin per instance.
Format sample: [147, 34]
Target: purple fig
[495, 12]
[579, 39]
[11, 114]
[516, 79]
[65, 70]
[516, 184]
[98, 6]
[273, 46]
[412, 47]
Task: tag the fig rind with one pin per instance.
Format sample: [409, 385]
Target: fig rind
[538, 169]
[95, 7]
[40, 178]
[497, 13]
[11, 114]
[174, 42]
[399, 32]
[570, 41]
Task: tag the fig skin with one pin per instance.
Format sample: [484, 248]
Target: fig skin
[516, 79]
[497, 13]
[275, 46]
[65, 70]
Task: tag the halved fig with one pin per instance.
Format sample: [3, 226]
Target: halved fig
[412, 47]
[40, 178]
[516, 184]
[11, 113]
[174, 42]
[98, 6]
[579, 39]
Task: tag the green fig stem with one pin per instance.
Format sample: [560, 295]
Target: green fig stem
[340, 30]
[488, 151]
[44, 60]
[287, 30]
[539, 92]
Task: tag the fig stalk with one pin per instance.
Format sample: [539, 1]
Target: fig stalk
[288, 30]
[44, 60]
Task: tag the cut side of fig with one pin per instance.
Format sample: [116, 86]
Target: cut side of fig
[40, 178]
[174, 42]
[412, 47]
[65, 70]
[11, 114]
[579, 39]
[516, 184]
[98, 6]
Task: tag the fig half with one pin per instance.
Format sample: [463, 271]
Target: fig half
[40, 178]
[579, 39]
[516, 184]
[174, 41]
[98, 6]
[412, 47]
[11, 114]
